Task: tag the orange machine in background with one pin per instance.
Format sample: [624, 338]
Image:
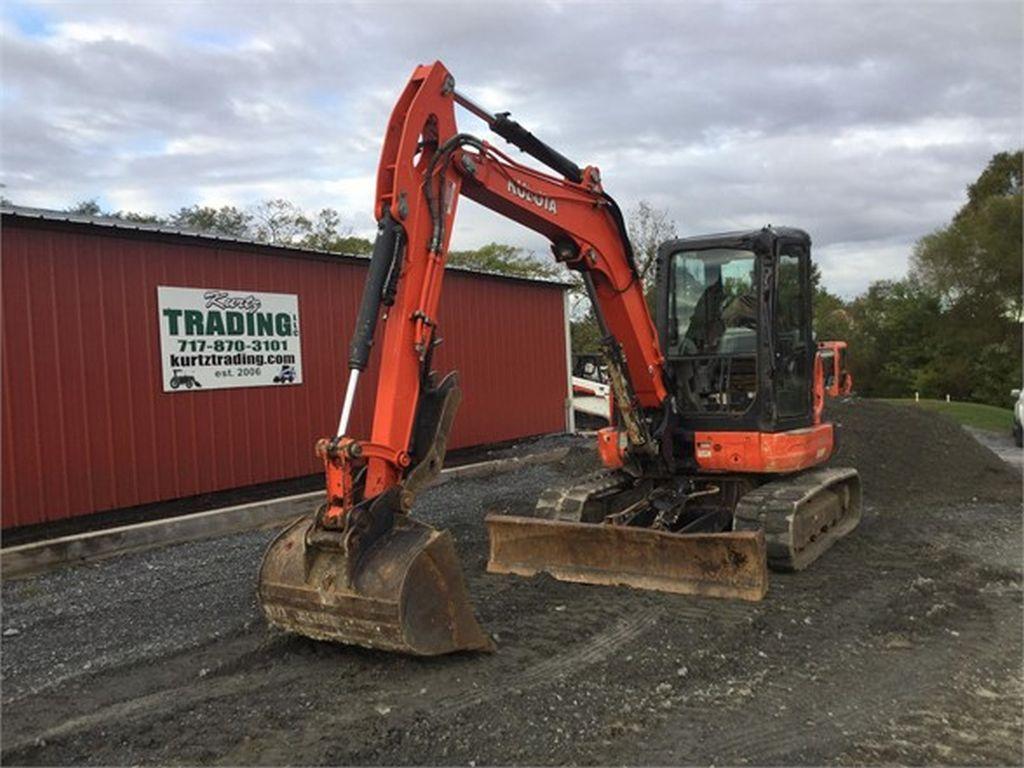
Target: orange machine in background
[838, 380]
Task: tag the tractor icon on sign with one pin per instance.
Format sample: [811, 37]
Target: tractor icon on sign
[286, 376]
[184, 380]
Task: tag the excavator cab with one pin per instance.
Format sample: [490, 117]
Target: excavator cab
[734, 320]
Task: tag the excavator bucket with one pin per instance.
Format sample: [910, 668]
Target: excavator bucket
[385, 580]
[406, 593]
[730, 565]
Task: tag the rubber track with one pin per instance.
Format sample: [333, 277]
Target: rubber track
[566, 502]
[775, 506]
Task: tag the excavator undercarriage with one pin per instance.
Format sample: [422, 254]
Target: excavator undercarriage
[684, 535]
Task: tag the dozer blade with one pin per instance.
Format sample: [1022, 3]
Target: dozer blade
[730, 565]
[405, 594]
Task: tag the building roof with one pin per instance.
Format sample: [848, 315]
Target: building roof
[125, 226]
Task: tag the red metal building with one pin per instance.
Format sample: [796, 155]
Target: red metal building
[87, 426]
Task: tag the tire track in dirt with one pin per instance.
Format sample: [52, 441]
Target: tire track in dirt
[246, 673]
[149, 652]
[132, 710]
[150, 705]
[270, 748]
[499, 681]
[595, 650]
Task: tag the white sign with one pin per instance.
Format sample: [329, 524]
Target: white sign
[212, 338]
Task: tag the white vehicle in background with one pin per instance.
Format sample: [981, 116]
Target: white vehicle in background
[1018, 417]
[591, 392]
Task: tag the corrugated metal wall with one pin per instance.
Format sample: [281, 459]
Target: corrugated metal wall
[87, 428]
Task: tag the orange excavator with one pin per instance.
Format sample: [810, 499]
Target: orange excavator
[838, 379]
[713, 471]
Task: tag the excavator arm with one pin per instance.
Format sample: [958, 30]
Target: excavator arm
[425, 166]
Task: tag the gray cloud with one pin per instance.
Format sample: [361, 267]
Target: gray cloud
[861, 122]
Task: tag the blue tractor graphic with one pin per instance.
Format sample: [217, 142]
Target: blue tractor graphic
[286, 375]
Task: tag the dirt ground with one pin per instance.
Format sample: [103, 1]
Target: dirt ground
[902, 645]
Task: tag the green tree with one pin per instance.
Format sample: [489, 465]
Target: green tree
[353, 245]
[975, 264]
[505, 260]
[831, 316]
[1001, 178]
[90, 207]
[893, 335]
[326, 233]
[979, 253]
[832, 319]
[648, 228]
[279, 222]
[275, 221]
[226, 220]
[584, 336]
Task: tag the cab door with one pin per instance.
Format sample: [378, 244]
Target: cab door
[793, 348]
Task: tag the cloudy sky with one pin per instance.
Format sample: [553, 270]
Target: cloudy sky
[860, 122]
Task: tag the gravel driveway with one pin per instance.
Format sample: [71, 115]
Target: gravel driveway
[1001, 444]
[902, 645]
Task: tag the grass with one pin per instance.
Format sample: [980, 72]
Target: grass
[987, 417]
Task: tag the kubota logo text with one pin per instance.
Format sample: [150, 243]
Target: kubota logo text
[541, 201]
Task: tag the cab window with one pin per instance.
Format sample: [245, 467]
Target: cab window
[712, 329]
[792, 359]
